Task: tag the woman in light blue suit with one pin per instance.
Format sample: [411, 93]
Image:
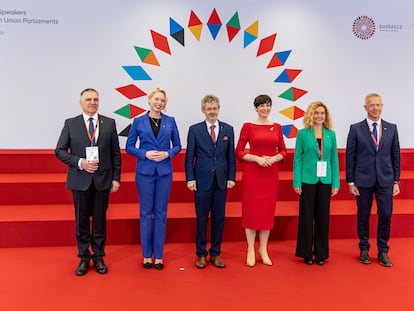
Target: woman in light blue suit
[154, 140]
[315, 179]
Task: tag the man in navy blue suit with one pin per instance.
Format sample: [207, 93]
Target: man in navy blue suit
[210, 167]
[373, 169]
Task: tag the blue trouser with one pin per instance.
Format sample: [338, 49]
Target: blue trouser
[384, 199]
[212, 201]
[153, 193]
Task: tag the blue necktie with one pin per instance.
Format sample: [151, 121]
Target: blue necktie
[91, 130]
[374, 130]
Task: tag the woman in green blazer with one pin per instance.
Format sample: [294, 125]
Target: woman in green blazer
[315, 179]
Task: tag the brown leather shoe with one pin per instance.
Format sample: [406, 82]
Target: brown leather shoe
[201, 262]
[217, 262]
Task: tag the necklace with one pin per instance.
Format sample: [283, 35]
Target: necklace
[155, 121]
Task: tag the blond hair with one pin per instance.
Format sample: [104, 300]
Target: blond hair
[310, 111]
[371, 95]
[158, 90]
[209, 98]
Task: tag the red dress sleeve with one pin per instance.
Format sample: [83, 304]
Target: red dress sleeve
[281, 147]
[241, 144]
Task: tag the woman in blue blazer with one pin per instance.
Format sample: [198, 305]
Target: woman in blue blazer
[154, 140]
[315, 179]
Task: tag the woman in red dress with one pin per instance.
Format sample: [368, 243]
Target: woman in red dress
[260, 177]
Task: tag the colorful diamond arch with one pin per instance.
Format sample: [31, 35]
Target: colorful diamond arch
[214, 25]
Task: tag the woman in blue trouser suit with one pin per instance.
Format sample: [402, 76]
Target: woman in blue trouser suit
[154, 140]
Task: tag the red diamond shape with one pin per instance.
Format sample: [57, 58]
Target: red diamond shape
[266, 44]
[160, 42]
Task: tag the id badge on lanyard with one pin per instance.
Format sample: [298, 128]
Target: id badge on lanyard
[92, 154]
[321, 168]
[321, 165]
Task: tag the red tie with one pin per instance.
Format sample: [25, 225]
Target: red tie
[212, 133]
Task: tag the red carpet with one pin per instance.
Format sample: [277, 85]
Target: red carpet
[43, 279]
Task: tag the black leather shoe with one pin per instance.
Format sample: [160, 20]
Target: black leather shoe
[147, 265]
[308, 261]
[364, 257]
[83, 267]
[320, 262]
[100, 265]
[159, 266]
[384, 260]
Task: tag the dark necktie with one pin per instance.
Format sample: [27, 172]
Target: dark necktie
[212, 133]
[91, 130]
[374, 131]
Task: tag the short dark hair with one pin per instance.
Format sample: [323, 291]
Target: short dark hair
[262, 99]
[89, 89]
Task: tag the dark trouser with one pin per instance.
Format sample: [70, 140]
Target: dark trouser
[313, 226]
[383, 197]
[210, 201]
[90, 203]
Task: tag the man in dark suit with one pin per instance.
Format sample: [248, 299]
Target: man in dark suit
[373, 168]
[89, 146]
[210, 167]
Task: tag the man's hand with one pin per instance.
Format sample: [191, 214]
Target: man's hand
[115, 186]
[192, 185]
[396, 189]
[354, 190]
[230, 184]
[88, 166]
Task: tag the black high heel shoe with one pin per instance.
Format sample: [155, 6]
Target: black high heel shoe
[147, 265]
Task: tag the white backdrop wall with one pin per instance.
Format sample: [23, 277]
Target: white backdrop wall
[45, 66]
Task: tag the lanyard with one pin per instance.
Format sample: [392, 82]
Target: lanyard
[376, 141]
[92, 138]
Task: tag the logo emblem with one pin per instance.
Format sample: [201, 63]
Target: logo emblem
[363, 27]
